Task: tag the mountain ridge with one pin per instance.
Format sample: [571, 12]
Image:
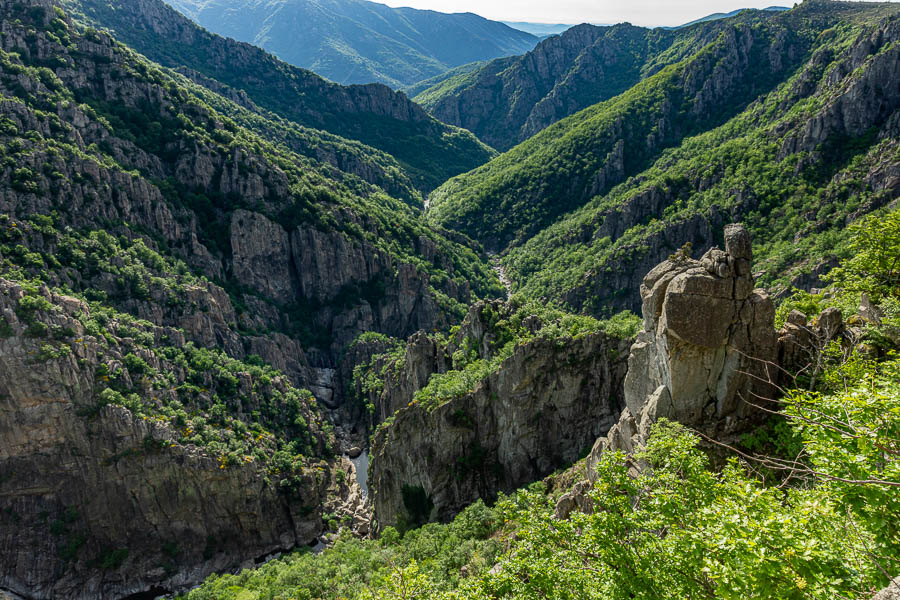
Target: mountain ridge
[371, 114]
[508, 100]
[608, 207]
[356, 41]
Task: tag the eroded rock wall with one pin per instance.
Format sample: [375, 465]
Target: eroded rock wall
[100, 503]
[539, 411]
[707, 356]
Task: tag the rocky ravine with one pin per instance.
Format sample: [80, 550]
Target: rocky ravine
[700, 360]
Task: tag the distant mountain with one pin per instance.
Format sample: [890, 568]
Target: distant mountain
[717, 16]
[427, 150]
[355, 41]
[539, 29]
[510, 99]
[417, 88]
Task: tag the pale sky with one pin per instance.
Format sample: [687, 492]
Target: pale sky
[637, 12]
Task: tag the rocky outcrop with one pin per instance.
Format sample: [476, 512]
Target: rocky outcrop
[891, 592]
[860, 103]
[707, 355]
[539, 410]
[96, 502]
[347, 285]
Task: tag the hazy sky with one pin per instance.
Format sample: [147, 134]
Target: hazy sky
[638, 12]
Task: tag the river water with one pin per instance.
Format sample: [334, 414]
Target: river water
[361, 464]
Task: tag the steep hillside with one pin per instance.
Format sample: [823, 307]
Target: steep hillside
[171, 285]
[429, 151]
[509, 100]
[421, 86]
[788, 123]
[515, 393]
[673, 502]
[355, 41]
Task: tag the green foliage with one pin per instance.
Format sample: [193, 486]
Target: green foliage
[428, 151]
[629, 55]
[111, 559]
[234, 411]
[360, 44]
[514, 325]
[813, 518]
[6, 329]
[679, 530]
[528, 188]
[442, 553]
[874, 263]
[569, 240]
[147, 260]
[852, 441]
[869, 272]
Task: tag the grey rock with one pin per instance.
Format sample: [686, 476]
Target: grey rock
[868, 311]
[537, 412]
[58, 463]
[830, 323]
[738, 244]
[797, 318]
[575, 499]
[704, 356]
[891, 592]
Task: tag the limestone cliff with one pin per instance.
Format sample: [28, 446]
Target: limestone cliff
[707, 355]
[538, 410]
[103, 501]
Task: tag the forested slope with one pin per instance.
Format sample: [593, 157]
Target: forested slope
[172, 283]
[508, 100]
[789, 124]
[375, 115]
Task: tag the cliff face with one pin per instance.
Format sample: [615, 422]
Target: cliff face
[324, 269]
[101, 502]
[543, 406]
[708, 353]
